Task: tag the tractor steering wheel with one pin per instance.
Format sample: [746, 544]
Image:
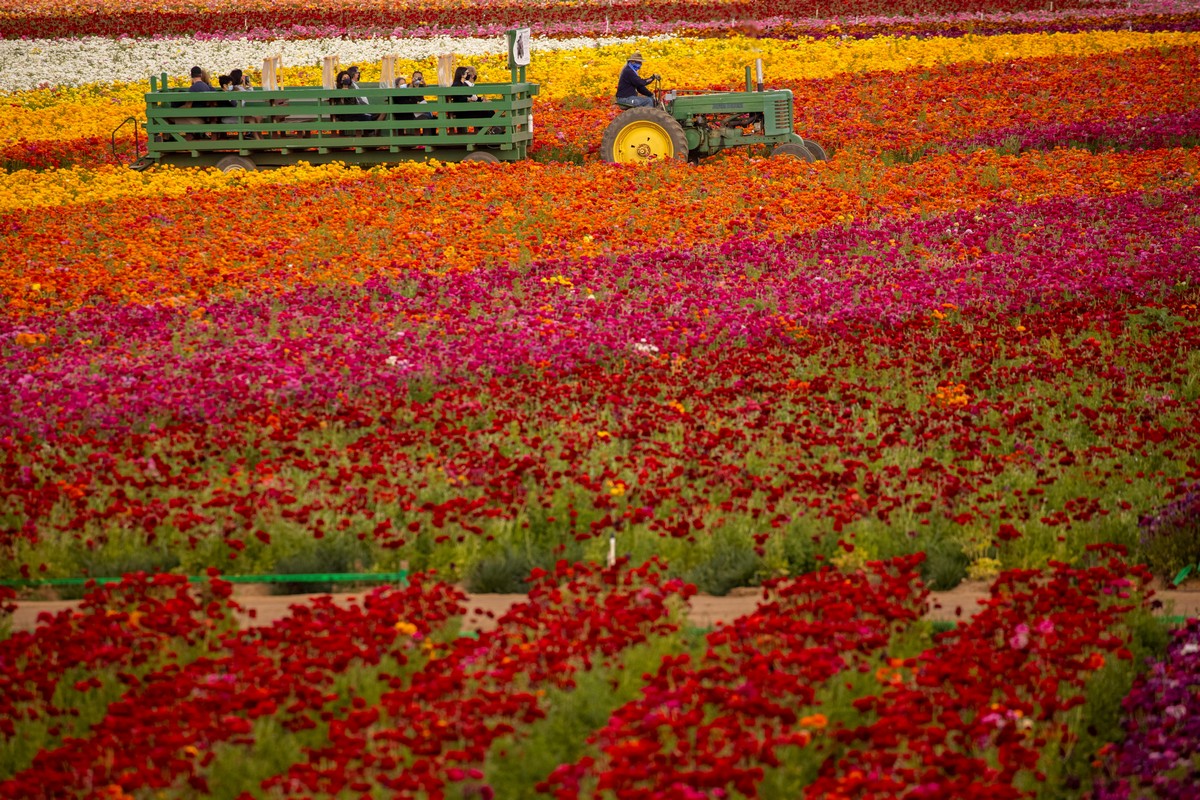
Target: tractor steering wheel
[656, 79]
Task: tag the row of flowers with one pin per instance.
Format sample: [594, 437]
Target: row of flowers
[758, 701]
[583, 71]
[1136, 98]
[524, 211]
[148, 18]
[60, 63]
[1090, 302]
[982, 358]
[1156, 758]
[278, 705]
[954, 732]
[56, 679]
[830, 686]
[939, 721]
[71, 69]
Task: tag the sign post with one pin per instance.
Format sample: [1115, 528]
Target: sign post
[519, 46]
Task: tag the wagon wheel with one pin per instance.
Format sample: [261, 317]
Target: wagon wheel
[641, 135]
[818, 152]
[792, 150]
[484, 156]
[236, 164]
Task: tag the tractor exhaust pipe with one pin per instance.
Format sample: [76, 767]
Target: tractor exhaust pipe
[758, 70]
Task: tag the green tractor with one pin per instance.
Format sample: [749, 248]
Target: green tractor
[688, 124]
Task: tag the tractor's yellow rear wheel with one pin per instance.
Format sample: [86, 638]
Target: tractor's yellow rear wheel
[643, 135]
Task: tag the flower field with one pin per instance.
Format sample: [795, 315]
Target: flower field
[965, 347]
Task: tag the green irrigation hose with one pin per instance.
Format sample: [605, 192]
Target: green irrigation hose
[943, 625]
[331, 577]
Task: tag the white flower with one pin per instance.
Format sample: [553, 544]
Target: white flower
[644, 347]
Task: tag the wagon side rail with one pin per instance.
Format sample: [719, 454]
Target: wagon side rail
[180, 123]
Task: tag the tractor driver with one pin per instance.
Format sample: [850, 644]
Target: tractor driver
[632, 88]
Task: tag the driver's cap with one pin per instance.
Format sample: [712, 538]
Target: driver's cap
[636, 57]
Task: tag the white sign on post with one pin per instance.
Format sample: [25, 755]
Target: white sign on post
[519, 54]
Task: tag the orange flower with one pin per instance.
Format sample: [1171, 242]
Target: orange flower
[818, 721]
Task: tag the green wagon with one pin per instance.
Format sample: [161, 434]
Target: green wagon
[275, 128]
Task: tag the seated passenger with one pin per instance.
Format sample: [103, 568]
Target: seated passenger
[227, 86]
[240, 82]
[465, 76]
[418, 82]
[198, 85]
[344, 81]
[406, 100]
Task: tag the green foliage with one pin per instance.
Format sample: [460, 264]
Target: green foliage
[1170, 536]
[558, 155]
[516, 763]
[799, 766]
[503, 572]
[726, 569]
[86, 708]
[1069, 767]
[83, 707]
[122, 553]
[1010, 146]
[910, 155]
[236, 769]
[333, 553]
[945, 565]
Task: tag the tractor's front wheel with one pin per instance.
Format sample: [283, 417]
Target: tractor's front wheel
[482, 155]
[642, 135]
[792, 150]
[818, 152]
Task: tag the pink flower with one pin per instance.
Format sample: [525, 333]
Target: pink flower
[1020, 639]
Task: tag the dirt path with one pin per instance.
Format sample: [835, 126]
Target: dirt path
[705, 610]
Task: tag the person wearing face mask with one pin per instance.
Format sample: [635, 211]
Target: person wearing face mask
[465, 76]
[409, 100]
[633, 89]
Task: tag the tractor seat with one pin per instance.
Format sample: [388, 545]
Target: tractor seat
[623, 105]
